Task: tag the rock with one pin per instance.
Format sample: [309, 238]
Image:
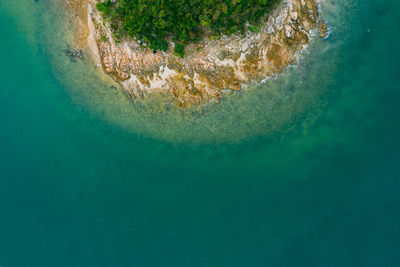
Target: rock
[288, 31]
[323, 30]
[74, 54]
[294, 16]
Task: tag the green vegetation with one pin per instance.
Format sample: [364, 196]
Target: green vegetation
[180, 49]
[153, 22]
[103, 38]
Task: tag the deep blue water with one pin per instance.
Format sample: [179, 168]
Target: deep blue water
[297, 172]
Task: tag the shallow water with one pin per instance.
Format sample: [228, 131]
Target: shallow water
[300, 171]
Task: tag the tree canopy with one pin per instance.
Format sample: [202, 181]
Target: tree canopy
[153, 22]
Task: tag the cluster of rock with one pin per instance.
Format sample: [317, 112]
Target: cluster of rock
[211, 66]
[74, 54]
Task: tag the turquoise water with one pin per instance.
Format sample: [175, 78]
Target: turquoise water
[300, 171]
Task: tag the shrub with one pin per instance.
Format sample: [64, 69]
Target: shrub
[180, 50]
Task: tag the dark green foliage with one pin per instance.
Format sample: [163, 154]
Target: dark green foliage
[179, 50]
[106, 8]
[152, 22]
[158, 44]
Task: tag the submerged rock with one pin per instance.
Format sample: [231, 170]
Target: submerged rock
[74, 54]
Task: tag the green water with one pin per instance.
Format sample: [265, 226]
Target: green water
[300, 171]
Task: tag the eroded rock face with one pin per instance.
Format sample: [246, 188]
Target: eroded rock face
[211, 66]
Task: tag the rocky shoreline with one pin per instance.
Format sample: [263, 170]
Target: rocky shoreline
[210, 67]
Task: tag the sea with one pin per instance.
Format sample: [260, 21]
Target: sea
[301, 170]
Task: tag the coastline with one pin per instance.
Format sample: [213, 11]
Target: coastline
[212, 67]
